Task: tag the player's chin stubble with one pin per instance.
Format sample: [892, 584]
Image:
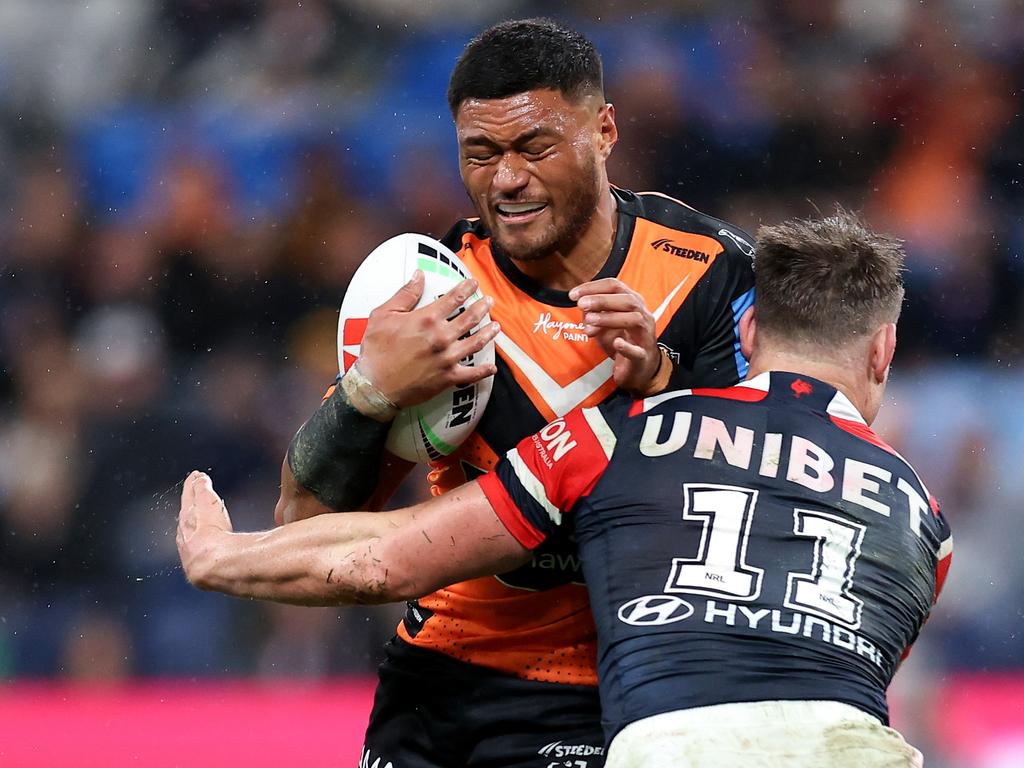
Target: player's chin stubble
[580, 210]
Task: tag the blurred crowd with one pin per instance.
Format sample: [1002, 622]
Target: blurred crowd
[188, 185]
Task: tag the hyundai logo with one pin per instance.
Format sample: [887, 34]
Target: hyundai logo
[654, 609]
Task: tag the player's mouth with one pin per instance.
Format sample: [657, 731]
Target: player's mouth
[519, 213]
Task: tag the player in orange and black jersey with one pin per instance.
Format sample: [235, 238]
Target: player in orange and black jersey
[597, 292]
[692, 270]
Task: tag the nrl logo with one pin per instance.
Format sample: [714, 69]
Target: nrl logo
[742, 244]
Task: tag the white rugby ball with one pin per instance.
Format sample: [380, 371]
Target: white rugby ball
[434, 429]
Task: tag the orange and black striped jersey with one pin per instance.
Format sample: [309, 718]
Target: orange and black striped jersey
[695, 275]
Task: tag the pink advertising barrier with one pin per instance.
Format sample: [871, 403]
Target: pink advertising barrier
[977, 721]
[192, 725]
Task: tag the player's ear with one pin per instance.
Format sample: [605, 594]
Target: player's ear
[609, 132]
[883, 347]
[748, 333]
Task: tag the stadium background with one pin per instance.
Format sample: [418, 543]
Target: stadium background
[186, 188]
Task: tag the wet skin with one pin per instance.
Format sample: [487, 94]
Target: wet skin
[534, 166]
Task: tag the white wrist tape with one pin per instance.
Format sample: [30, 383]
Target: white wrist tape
[365, 397]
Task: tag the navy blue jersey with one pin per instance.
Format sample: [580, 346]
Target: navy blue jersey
[744, 544]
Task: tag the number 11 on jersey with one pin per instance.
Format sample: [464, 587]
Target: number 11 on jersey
[720, 567]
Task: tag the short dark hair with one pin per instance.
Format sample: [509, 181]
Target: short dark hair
[518, 56]
[826, 281]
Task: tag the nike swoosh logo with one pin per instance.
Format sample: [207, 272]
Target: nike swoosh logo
[561, 399]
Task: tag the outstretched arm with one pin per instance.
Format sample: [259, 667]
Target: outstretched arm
[337, 559]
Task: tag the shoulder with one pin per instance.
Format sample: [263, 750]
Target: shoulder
[671, 227]
[885, 453]
[675, 214]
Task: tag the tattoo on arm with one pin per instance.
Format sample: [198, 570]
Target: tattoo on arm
[336, 454]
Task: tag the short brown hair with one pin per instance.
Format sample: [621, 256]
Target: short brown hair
[826, 281]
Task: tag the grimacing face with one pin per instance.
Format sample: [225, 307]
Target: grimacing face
[534, 166]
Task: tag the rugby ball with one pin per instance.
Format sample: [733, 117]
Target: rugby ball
[434, 429]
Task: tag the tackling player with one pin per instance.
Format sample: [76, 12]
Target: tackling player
[554, 247]
[758, 560]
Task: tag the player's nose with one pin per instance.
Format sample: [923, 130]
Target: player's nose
[511, 175]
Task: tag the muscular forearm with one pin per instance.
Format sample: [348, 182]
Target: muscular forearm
[345, 558]
[327, 560]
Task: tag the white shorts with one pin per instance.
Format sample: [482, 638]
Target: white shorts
[762, 734]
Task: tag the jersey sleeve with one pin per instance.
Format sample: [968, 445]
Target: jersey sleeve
[724, 294]
[944, 555]
[535, 485]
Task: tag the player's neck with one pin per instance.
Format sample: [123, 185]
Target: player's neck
[566, 269]
[842, 376]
